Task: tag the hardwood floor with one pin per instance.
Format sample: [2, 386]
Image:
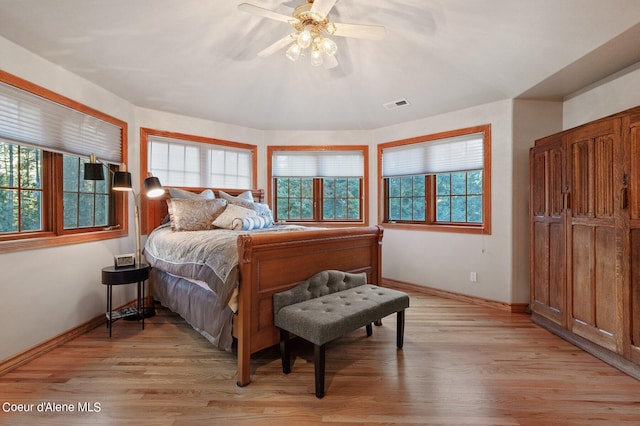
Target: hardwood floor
[461, 364]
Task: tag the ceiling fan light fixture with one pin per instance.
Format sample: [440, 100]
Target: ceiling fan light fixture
[328, 46]
[316, 58]
[293, 52]
[311, 23]
[304, 39]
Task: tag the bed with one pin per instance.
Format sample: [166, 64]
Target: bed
[237, 303]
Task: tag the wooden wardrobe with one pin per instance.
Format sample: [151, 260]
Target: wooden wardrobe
[585, 237]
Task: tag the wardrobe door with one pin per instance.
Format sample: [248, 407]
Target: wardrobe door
[548, 295]
[595, 174]
[632, 317]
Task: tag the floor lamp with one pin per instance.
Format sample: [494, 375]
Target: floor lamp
[93, 170]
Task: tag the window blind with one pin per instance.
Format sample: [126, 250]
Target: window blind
[318, 164]
[29, 119]
[438, 156]
[180, 162]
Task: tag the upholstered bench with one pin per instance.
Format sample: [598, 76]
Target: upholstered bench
[329, 305]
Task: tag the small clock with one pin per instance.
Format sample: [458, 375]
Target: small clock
[124, 260]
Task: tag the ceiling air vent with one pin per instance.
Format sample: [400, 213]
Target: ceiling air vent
[396, 104]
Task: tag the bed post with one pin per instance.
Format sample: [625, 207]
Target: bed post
[243, 315]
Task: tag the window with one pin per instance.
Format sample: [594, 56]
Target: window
[192, 161]
[45, 139]
[459, 197]
[20, 189]
[439, 181]
[86, 202]
[318, 184]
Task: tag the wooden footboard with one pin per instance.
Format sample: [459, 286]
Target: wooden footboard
[273, 262]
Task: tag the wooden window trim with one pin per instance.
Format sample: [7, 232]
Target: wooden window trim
[49, 237]
[364, 203]
[464, 228]
[144, 161]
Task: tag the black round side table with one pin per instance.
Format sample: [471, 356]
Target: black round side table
[126, 275]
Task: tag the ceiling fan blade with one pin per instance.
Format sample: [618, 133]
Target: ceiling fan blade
[329, 61]
[322, 7]
[265, 13]
[372, 32]
[280, 44]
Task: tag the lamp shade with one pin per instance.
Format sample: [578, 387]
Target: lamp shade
[93, 171]
[122, 181]
[153, 187]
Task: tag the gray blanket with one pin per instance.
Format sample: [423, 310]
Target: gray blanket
[208, 256]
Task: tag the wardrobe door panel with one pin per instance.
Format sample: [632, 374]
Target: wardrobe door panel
[606, 291]
[595, 278]
[557, 263]
[582, 306]
[632, 317]
[548, 231]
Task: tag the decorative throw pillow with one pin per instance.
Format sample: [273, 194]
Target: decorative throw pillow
[260, 208]
[207, 194]
[250, 223]
[245, 196]
[194, 215]
[226, 219]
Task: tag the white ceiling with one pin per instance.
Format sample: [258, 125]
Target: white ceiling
[198, 57]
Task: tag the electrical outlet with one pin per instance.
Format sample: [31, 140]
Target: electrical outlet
[473, 277]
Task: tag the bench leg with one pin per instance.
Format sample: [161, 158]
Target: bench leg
[400, 333]
[318, 360]
[369, 330]
[284, 351]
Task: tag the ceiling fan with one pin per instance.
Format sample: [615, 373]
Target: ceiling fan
[312, 30]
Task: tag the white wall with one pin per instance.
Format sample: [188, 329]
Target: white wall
[444, 260]
[46, 292]
[609, 96]
[531, 120]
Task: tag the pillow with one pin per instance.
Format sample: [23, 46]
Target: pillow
[207, 194]
[249, 223]
[226, 218]
[260, 208]
[245, 196]
[194, 215]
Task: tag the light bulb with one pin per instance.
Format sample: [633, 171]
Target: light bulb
[304, 39]
[293, 52]
[329, 47]
[316, 58]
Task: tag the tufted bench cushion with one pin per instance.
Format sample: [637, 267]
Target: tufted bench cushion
[329, 305]
[328, 317]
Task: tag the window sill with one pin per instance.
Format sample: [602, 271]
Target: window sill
[460, 229]
[58, 240]
[325, 224]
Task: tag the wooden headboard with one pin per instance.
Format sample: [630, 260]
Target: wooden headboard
[154, 210]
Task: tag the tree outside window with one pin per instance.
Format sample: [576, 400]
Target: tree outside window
[85, 204]
[320, 184]
[318, 199]
[20, 188]
[438, 182]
